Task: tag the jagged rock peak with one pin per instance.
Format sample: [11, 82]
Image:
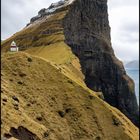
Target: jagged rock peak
[51, 9]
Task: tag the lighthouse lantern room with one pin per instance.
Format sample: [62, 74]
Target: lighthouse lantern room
[13, 47]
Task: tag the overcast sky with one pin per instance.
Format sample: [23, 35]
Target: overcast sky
[123, 17]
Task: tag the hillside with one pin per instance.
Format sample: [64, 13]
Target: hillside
[39, 102]
[133, 64]
[69, 24]
[65, 83]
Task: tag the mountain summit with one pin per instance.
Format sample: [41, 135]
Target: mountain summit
[51, 10]
[67, 79]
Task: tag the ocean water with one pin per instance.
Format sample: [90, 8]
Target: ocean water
[134, 74]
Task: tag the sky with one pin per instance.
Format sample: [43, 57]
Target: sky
[123, 18]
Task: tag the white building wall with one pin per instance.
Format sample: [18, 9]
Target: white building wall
[14, 49]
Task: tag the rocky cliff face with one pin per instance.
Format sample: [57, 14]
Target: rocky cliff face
[87, 32]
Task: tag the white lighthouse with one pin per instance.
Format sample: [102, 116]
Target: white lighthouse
[13, 47]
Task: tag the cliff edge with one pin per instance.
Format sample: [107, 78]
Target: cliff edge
[87, 32]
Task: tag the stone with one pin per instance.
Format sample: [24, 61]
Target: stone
[4, 100]
[15, 98]
[21, 74]
[46, 134]
[28, 104]
[20, 83]
[29, 59]
[7, 135]
[98, 138]
[42, 11]
[116, 121]
[70, 81]
[67, 110]
[39, 118]
[61, 113]
[23, 133]
[100, 95]
[16, 106]
[91, 97]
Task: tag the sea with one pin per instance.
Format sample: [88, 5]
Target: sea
[134, 74]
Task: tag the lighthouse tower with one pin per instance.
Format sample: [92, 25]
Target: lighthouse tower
[13, 47]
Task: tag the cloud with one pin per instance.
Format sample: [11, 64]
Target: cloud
[124, 21]
[119, 3]
[17, 13]
[128, 51]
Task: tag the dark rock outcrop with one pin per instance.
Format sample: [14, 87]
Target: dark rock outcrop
[54, 7]
[87, 32]
[22, 133]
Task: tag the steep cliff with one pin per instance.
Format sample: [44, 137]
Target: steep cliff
[87, 32]
[83, 26]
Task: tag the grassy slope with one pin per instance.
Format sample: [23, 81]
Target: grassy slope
[43, 90]
[50, 46]
[61, 55]
[35, 36]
